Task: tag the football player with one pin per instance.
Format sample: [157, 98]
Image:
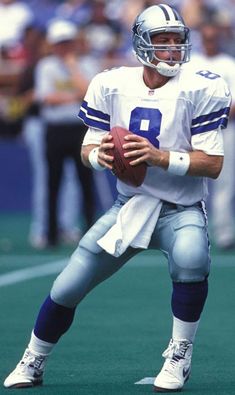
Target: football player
[176, 117]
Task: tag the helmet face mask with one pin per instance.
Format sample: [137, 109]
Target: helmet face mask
[156, 20]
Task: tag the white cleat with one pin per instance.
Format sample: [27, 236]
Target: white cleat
[177, 366]
[28, 372]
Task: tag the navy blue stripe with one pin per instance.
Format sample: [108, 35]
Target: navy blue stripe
[177, 16]
[211, 116]
[95, 113]
[167, 16]
[82, 114]
[210, 126]
[93, 123]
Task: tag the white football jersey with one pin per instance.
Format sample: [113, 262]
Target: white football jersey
[185, 114]
[222, 64]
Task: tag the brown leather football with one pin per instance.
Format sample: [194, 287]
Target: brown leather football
[132, 175]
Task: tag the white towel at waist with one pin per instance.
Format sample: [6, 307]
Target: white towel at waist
[135, 224]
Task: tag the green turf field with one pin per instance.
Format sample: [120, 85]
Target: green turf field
[120, 329]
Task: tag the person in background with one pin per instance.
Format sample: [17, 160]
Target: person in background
[43, 11]
[60, 83]
[213, 58]
[32, 131]
[77, 11]
[177, 131]
[103, 34]
[14, 17]
[33, 134]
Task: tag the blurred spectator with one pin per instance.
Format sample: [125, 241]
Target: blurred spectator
[14, 17]
[225, 17]
[11, 108]
[77, 11]
[43, 11]
[214, 59]
[193, 11]
[60, 85]
[102, 33]
[32, 130]
[33, 133]
[197, 12]
[126, 14]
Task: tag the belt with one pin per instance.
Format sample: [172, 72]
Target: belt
[174, 206]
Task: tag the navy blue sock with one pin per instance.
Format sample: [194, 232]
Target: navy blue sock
[188, 300]
[53, 321]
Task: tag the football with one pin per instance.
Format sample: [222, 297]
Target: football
[132, 175]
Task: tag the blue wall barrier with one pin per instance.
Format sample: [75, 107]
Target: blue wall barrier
[15, 177]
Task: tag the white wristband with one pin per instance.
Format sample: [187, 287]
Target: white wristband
[93, 159]
[178, 163]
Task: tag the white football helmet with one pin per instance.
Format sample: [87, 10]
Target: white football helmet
[156, 19]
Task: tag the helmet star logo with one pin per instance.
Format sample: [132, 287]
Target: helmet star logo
[136, 28]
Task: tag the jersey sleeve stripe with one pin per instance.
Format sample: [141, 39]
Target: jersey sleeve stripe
[207, 127]
[211, 117]
[94, 113]
[94, 123]
[94, 118]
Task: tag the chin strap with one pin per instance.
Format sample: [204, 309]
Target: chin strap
[162, 67]
[166, 70]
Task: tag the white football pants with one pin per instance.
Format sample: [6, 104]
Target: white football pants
[181, 233]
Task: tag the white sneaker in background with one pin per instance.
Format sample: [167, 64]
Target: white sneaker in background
[38, 242]
[70, 237]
